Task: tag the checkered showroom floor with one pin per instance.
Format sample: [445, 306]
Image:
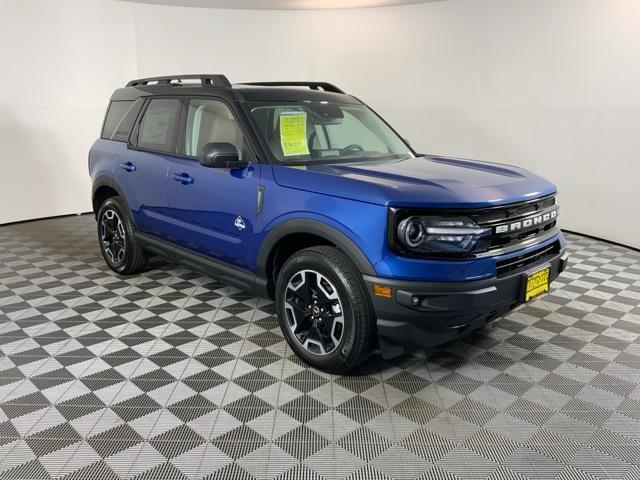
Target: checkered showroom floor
[173, 375]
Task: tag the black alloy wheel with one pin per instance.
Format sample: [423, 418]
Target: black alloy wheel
[113, 236]
[116, 235]
[314, 312]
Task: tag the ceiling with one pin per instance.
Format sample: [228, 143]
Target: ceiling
[281, 4]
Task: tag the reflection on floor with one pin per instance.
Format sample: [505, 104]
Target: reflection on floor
[173, 375]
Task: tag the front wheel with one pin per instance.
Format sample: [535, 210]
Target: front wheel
[118, 245]
[324, 310]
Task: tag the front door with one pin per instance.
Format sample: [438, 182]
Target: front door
[212, 210]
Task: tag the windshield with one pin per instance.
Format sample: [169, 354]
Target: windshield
[321, 132]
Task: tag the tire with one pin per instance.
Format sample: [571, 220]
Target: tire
[120, 249]
[332, 329]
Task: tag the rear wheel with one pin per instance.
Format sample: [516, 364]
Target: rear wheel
[118, 245]
[324, 310]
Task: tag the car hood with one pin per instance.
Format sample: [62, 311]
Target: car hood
[427, 181]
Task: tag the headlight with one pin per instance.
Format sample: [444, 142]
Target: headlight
[433, 234]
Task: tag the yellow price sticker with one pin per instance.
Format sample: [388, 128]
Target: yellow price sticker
[293, 134]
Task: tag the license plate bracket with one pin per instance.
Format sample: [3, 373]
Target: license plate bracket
[536, 283]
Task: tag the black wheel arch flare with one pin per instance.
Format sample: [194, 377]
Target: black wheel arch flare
[314, 227]
[106, 181]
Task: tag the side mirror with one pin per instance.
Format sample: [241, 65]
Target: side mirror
[221, 155]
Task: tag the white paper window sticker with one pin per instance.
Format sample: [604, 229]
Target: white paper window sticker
[293, 133]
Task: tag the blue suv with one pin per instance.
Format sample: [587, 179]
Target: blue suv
[299, 192]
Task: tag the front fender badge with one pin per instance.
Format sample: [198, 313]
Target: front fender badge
[239, 223]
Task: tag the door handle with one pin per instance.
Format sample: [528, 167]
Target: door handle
[128, 166]
[183, 178]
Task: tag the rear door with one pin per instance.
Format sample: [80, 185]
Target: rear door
[213, 210]
[142, 172]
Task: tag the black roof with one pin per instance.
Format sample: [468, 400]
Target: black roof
[214, 84]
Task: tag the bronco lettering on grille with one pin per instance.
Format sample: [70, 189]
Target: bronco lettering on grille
[527, 223]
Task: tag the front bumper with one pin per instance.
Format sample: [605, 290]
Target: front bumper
[426, 314]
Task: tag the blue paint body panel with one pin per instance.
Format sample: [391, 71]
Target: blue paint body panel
[352, 199]
[429, 182]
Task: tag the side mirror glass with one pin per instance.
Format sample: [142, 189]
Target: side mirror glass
[221, 155]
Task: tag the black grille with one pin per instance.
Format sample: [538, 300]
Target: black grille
[521, 262]
[509, 214]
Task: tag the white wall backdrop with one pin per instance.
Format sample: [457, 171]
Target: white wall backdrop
[552, 85]
[59, 62]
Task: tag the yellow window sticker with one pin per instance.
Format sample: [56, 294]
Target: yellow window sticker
[293, 134]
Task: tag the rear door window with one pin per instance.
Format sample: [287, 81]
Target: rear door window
[159, 125]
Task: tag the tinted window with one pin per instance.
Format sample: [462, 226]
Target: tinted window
[115, 114]
[159, 124]
[124, 127]
[211, 121]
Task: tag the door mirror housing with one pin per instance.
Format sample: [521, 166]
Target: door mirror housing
[221, 155]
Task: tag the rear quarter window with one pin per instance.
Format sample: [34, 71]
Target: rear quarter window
[121, 115]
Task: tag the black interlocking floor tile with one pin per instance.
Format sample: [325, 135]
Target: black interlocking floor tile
[102, 379]
[248, 408]
[135, 407]
[360, 409]
[24, 405]
[256, 380]
[8, 433]
[239, 442]
[176, 441]
[261, 358]
[191, 408]
[80, 406]
[358, 384]
[11, 375]
[106, 448]
[52, 378]
[365, 443]
[52, 439]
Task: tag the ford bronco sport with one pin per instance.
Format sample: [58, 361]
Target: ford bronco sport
[300, 192]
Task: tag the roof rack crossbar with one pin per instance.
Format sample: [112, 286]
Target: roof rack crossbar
[327, 87]
[205, 79]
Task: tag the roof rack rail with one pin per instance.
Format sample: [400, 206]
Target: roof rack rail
[205, 79]
[327, 87]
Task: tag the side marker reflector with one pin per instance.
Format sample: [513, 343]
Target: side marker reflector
[382, 291]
